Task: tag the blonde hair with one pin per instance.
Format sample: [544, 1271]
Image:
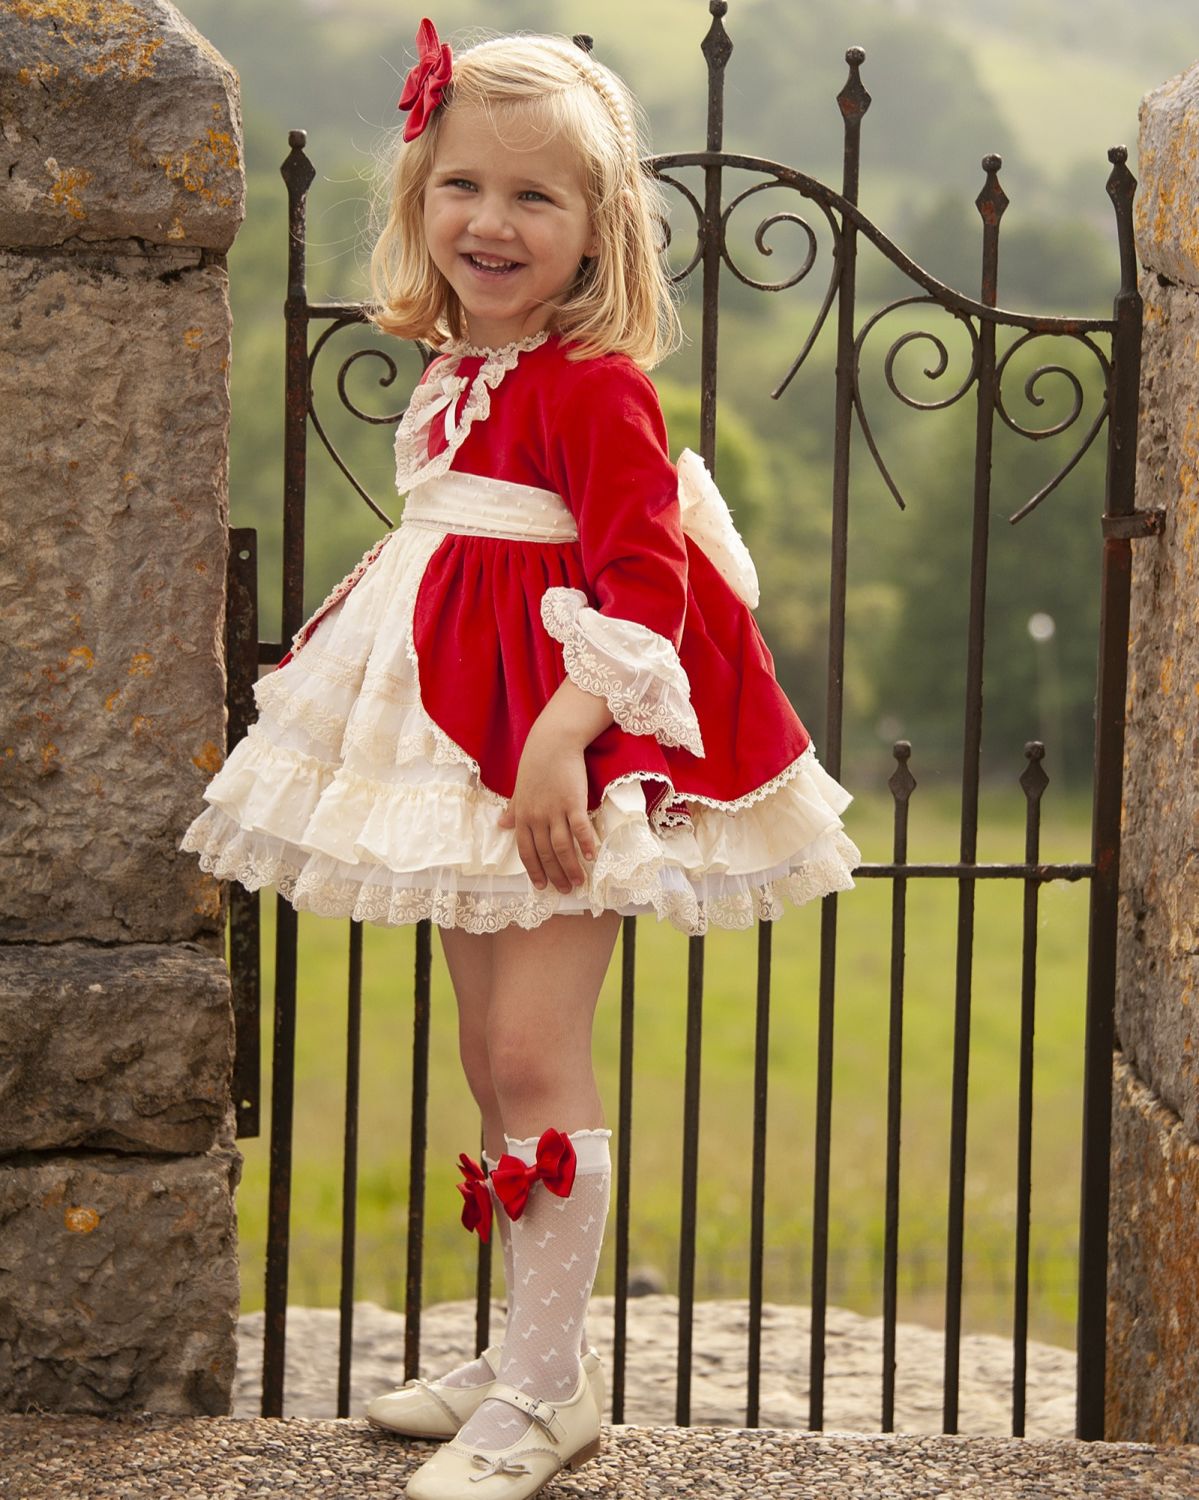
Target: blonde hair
[621, 301]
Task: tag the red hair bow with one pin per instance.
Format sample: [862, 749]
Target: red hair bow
[476, 1210]
[427, 81]
[555, 1166]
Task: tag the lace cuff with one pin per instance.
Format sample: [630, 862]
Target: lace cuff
[634, 668]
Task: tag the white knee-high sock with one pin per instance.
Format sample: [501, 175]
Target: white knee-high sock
[477, 1371]
[555, 1253]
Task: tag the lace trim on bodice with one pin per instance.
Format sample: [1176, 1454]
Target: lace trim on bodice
[441, 394]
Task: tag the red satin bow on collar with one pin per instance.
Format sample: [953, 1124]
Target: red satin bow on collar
[476, 1210]
[554, 1165]
[427, 81]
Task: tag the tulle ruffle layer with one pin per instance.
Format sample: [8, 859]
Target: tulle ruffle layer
[347, 798]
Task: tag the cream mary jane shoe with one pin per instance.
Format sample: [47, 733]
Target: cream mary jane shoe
[432, 1409]
[563, 1434]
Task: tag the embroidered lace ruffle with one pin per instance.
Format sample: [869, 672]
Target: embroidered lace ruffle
[438, 397]
[634, 668]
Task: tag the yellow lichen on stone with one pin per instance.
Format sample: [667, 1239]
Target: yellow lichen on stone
[85, 655]
[215, 150]
[209, 759]
[176, 231]
[192, 337]
[205, 893]
[95, 23]
[81, 1220]
[64, 190]
[38, 73]
[141, 665]
[134, 58]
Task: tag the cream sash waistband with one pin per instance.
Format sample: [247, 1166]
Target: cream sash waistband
[476, 505]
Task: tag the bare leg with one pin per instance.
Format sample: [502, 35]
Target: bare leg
[544, 987]
[470, 957]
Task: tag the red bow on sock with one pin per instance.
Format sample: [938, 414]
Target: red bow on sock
[427, 81]
[555, 1166]
[476, 1210]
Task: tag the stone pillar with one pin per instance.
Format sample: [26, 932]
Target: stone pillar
[1153, 1296]
[122, 189]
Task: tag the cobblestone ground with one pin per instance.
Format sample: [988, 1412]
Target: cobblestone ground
[63, 1457]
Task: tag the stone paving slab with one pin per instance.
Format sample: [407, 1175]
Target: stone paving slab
[58, 1456]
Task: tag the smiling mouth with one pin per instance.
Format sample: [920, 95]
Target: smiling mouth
[491, 265]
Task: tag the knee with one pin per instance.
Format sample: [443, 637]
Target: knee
[524, 1073]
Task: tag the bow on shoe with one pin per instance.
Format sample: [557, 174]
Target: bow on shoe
[476, 1210]
[427, 81]
[492, 1466]
[554, 1165]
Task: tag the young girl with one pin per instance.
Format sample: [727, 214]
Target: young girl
[540, 703]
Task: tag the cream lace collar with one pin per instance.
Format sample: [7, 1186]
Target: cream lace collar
[439, 396]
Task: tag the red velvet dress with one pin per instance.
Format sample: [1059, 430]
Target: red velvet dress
[546, 533]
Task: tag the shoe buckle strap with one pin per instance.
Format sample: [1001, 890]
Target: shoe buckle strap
[542, 1412]
[429, 1387]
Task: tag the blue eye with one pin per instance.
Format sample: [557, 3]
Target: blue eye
[533, 193]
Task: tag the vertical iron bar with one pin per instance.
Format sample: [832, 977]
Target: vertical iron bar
[298, 174]
[991, 203]
[624, 1155]
[283, 1061]
[417, 1147]
[1105, 838]
[717, 49]
[1034, 782]
[853, 101]
[349, 1175]
[695, 1002]
[902, 784]
[245, 926]
[757, 1211]
[483, 1288]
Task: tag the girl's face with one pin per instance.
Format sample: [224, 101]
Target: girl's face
[506, 222]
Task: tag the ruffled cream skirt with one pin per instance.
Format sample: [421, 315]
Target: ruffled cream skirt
[347, 798]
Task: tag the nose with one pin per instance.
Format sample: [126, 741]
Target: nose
[489, 219]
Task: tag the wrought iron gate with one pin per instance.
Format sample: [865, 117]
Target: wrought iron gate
[1115, 343]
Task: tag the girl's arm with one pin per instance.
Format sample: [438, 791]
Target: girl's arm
[548, 809]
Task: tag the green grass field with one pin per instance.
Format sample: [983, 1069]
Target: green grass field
[859, 1096]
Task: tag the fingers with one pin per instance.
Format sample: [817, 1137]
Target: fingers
[580, 827]
[526, 847]
[548, 850]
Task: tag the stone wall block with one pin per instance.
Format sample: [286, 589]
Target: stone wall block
[113, 545]
[118, 1282]
[129, 1048]
[1153, 1311]
[1157, 1013]
[119, 120]
[1167, 225]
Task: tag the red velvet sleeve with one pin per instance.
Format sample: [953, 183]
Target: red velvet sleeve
[610, 463]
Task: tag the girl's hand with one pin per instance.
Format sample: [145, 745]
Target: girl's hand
[548, 809]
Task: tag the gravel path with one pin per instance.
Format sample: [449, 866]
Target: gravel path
[63, 1457]
[853, 1369]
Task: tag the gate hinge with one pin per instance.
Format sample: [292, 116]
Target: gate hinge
[1139, 523]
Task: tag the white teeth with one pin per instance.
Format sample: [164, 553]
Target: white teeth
[488, 264]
